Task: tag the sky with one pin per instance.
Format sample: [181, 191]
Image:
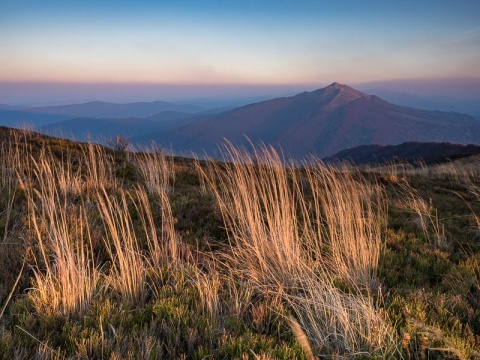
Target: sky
[192, 48]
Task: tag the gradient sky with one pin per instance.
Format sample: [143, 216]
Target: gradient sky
[289, 43]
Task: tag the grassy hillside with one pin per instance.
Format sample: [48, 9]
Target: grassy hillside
[121, 255]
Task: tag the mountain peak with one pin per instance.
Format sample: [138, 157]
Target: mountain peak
[336, 85]
[336, 94]
[342, 87]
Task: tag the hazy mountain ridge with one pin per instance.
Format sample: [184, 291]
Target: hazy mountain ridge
[323, 122]
[4, 107]
[21, 119]
[106, 109]
[99, 129]
[40, 116]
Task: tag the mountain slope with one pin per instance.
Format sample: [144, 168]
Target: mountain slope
[323, 122]
[408, 151]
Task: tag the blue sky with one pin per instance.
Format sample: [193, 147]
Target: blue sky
[238, 42]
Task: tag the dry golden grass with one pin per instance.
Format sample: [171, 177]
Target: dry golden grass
[157, 172]
[99, 168]
[426, 215]
[306, 251]
[304, 248]
[127, 273]
[301, 338]
[8, 182]
[67, 200]
[208, 287]
[65, 276]
[473, 184]
[156, 169]
[348, 221]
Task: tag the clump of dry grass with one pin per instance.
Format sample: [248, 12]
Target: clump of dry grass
[337, 322]
[156, 169]
[65, 276]
[99, 167]
[157, 172]
[208, 287]
[426, 215]
[163, 245]
[393, 172]
[71, 199]
[8, 182]
[345, 222]
[127, 273]
[472, 182]
[256, 207]
[301, 246]
[301, 338]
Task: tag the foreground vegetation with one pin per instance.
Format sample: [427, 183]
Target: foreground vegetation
[110, 254]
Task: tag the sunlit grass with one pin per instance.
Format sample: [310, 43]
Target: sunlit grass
[249, 258]
[282, 242]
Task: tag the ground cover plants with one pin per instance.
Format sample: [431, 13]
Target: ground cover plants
[116, 255]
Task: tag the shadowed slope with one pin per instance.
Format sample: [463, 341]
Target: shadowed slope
[408, 151]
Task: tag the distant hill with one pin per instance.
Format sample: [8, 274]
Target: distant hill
[102, 109]
[37, 117]
[99, 129]
[410, 152]
[4, 107]
[322, 122]
[21, 119]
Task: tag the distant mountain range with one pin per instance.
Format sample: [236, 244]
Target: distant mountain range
[100, 129]
[37, 117]
[410, 152]
[322, 122]
[100, 109]
[4, 107]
